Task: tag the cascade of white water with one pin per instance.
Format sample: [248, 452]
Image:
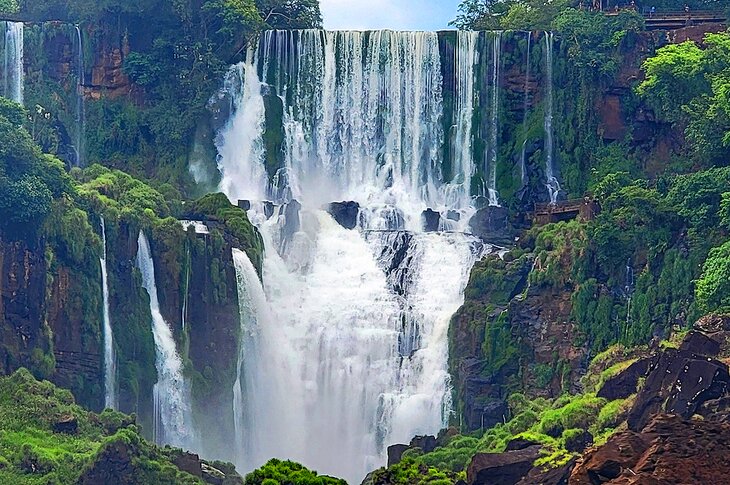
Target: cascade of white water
[184, 312]
[493, 148]
[344, 350]
[462, 144]
[13, 62]
[110, 360]
[256, 323]
[525, 107]
[173, 415]
[242, 140]
[551, 181]
[80, 101]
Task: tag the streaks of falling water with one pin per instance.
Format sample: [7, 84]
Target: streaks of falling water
[80, 101]
[110, 363]
[13, 62]
[338, 362]
[525, 109]
[171, 393]
[493, 148]
[467, 57]
[551, 181]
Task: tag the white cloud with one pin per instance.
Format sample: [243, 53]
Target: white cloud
[388, 14]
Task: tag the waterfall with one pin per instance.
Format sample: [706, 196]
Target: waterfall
[551, 182]
[525, 110]
[110, 359]
[255, 319]
[344, 349]
[80, 102]
[493, 147]
[13, 62]
[173, 415]
[463, 157]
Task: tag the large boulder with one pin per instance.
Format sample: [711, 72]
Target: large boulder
[345, 213]
[700, 344]
[506, 468]
[395, 453]
[624, 384]
[431, 220]
[491, 223]
[678, 382]
[668, 450]
[549, 475]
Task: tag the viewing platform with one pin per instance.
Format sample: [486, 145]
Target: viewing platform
[677, 19]
[581, 209]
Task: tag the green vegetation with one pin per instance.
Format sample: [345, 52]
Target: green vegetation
[29, 180]
[175, 67]
[34, 450]
[277, 472]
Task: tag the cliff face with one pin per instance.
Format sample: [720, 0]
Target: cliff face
[511, 336]
[51, 319]
[22, 288]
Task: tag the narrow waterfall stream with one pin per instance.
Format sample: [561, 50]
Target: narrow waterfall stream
[493, 148]
[551, 182]
[467, 57]
[80, 101]
[173, 416]
[525, 112]
[13, 75]
[110, 360]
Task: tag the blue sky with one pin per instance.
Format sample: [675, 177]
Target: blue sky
[388, 14]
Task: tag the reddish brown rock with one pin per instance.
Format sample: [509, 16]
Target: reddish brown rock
[669, 450]
[506, 468]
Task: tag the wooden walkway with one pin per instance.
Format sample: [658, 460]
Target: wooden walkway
[581, 209]
[679, 19]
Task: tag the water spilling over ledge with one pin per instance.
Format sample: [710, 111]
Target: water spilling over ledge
[344, 348]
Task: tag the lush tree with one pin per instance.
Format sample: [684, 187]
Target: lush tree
[288, 473]
[29, 180]
[290, 14]
[9, 6]
[713, 288]
[689, 85]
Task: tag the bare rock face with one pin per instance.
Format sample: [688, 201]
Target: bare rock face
[678, 382]
[668, 450]
[506, 468]
[624, 384]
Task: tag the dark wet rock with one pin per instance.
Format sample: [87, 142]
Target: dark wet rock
[678, 382]
[426, 443]
[345, 213]
[491, 223]
[190, 463]
[624, 384]
[701, 344]
[244, 204]
[506, 468]
[394, 259]
[67, 424]
[431, 220]
[578, 443]
[268, 209]
[212, 475]
[453, 215]
[520, 444]
[549, 476]
[292, 222]
[395, 453]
